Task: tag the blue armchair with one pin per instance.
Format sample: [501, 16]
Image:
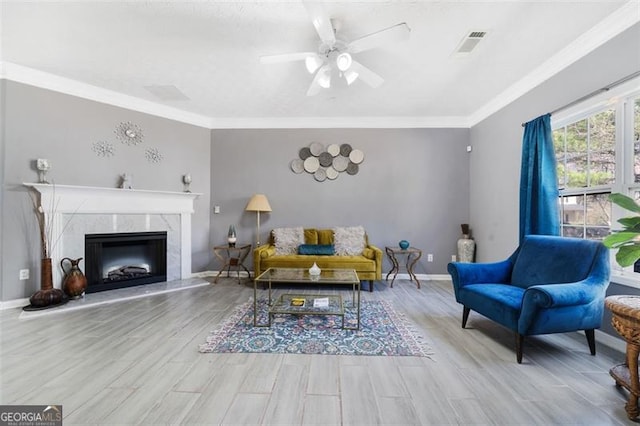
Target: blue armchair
[548, 285]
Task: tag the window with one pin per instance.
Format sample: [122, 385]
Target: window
[597, 147]
[586, 156]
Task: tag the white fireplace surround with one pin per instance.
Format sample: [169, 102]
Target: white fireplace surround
[76, 204]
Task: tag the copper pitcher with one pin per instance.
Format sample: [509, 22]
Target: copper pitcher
[74, 282]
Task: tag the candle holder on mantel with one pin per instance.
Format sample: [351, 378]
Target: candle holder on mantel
[186, 180]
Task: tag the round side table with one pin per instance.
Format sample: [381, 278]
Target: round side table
[625, 319]
[412, 253]
[232, 256]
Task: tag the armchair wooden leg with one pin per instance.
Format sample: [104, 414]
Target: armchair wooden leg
[519, 345]
[591, 340]
[465, 316]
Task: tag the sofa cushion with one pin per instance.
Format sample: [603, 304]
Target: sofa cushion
[316, 249]
[310, 236]
[287, 240]
[349, 241]
[325, 236]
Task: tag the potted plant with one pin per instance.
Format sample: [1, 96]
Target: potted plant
[627, 240]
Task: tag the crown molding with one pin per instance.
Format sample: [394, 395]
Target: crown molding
[619, 21]
[45, 80]
[339, 122]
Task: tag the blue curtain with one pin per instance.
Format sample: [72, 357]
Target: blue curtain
[538, 180]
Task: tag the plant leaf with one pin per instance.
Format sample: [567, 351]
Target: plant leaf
[614, 240]
[630, 222]
[628, 255]
[625, 202]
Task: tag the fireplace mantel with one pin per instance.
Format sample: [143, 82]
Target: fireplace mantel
[69, 201]
[88, 199]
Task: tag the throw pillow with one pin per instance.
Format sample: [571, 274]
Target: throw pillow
[287, 240]
[316, 249]
[348, 241]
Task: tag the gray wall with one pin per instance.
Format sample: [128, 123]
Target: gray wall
[45, 124]
[413, 184]
[497, 141]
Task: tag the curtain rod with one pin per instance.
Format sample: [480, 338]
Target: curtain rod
[595, 92]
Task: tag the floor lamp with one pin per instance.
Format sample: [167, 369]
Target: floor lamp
[258, 203]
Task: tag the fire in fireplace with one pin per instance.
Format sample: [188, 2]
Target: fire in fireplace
[127, 259]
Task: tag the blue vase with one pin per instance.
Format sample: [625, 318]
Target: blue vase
[404, 244]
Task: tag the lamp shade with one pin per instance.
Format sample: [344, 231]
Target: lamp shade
[258, 203]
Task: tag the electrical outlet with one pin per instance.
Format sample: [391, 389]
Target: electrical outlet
[24, 274]
[216, 209]
[429, 257]
[453, 258]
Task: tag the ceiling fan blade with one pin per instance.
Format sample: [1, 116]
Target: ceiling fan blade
[398, 32]
[320, 80]
[366, 75]
[285, 57]
[321, 21]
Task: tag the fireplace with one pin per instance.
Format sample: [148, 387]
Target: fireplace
[126, 259]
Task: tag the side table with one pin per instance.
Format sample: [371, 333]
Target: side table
[412, 253]
[625, 319]
[232, 256]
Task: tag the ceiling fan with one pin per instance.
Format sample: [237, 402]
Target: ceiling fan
[334, 56]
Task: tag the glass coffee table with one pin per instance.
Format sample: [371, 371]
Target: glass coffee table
[307, 304]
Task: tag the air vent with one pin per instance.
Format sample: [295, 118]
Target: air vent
[167, 93]
[469, 42]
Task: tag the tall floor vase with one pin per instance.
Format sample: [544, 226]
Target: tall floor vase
[47, 296]
[466, 249]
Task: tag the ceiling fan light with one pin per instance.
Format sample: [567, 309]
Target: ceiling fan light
[312, 63]
[350, 76]
[325, 81]
[344, 61]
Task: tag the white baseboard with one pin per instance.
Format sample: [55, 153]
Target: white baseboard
[15, 303]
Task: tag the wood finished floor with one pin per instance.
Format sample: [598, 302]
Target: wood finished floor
[137, 362]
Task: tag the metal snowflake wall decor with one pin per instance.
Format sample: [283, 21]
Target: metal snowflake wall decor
[153, 155]
[129, 133]
[104, 149]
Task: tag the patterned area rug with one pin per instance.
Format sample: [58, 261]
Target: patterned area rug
[383, 331]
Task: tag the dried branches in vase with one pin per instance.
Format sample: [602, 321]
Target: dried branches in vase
[47, 296]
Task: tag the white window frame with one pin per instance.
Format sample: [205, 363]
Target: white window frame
[622, 98]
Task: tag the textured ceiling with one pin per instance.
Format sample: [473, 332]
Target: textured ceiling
[210, 52]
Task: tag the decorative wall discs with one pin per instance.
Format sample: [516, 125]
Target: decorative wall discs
[345, 149]
[320, 174]
[332, 173]
[327, 163]
[304, 153]
[316, 148]
[340, 163]
[325, 159]
[297, 165]
[311, 164]
[356, 156]
[333, 149]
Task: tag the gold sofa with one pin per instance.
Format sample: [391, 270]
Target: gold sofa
[368, 265]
